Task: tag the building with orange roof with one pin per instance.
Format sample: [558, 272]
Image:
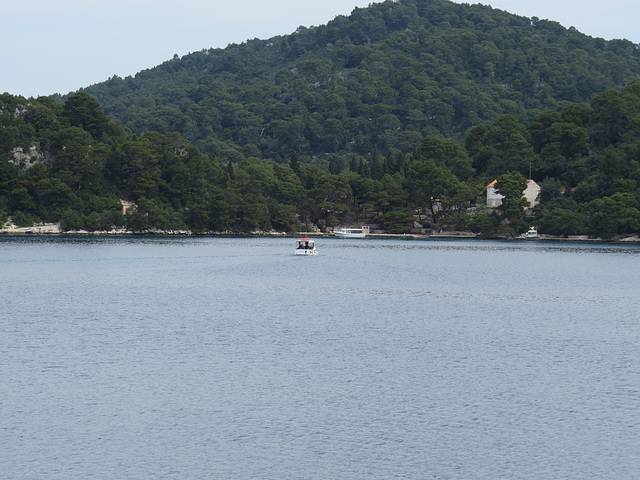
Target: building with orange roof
[494, 199]
[531, 193]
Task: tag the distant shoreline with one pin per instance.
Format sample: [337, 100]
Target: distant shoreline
[54, 230]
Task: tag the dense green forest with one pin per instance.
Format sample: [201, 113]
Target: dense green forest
[384, 77]
[398, 115]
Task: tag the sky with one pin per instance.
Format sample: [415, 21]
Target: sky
[59, 47]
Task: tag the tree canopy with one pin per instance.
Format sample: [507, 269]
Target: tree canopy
[398, 115]
[384, 77]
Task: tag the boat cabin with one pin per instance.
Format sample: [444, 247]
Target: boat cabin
[352, 232]
[306, 246]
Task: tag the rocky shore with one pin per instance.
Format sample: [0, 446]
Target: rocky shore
[54, 229]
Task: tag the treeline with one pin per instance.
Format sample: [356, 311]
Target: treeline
[70, 163]
[384, 77]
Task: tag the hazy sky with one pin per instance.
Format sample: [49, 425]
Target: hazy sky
[60, 46]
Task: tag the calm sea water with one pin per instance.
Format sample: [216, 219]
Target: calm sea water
[229, 358]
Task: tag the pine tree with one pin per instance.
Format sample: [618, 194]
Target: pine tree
[295, 164]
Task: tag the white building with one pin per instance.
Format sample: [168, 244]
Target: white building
[128, 207]
[531, 193]
[494, 199]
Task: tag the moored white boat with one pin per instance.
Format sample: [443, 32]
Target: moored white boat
[532, 233]
[351, 232]
[306, 246]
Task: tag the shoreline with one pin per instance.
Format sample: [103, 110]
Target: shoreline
[54, 230]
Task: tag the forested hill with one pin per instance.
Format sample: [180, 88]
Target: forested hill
[385, 77]
[397, 116]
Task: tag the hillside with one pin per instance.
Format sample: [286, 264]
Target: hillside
[383, 77]
[398, 116]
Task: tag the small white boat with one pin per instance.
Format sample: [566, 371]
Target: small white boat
[350, 233]
[532, 233]
[306, 246]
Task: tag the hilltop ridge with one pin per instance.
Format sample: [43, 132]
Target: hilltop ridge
[383, 77]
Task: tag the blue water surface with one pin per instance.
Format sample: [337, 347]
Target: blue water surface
[231, 358]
